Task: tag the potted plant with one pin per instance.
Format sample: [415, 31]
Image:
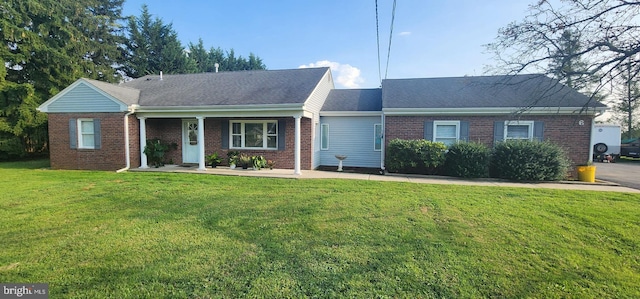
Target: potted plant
[244, 161]
[213, 160]
[232, 156]
[258, 162]
[271, 164]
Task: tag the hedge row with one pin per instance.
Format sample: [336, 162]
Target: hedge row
[520, 160]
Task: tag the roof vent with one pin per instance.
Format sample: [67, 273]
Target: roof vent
[160, 75]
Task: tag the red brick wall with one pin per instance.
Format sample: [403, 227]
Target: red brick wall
[111, 155]
[170, 130]
[563, 130]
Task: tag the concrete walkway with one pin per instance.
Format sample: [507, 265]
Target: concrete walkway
[422, 179]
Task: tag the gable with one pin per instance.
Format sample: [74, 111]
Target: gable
[81, 96]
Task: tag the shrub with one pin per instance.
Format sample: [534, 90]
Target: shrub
[467, 160]
[155, 150]
[525, 160]
[414, 156]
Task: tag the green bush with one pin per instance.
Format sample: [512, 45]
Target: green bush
[414, 156]
[155, 150]
[524, 160]
[467, 160]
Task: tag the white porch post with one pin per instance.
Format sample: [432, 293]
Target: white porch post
[143, 142]
[296, 169]
[201, 165]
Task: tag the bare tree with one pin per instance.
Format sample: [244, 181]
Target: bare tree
[609, 38]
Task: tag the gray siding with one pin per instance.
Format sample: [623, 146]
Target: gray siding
[351, 136]
[83, 98]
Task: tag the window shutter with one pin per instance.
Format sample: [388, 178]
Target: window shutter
[73, 134]
[428, 130]
[97, 138]
[538, 130]
[224, 127]
[498, 131]
[282, 128]
[464, 131]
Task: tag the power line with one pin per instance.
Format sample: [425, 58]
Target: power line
[393, 16]
[378, 39]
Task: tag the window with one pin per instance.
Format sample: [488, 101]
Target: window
[377, 137]
[518, 130]
[86, 133]
[447, 132]
[324, 137]
[254, 134]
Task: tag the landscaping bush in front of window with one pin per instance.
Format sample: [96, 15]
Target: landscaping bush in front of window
[415, 156]
[467, 160]
[525, 160]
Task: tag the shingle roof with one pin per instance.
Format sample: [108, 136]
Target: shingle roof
[125, 94]
[481, 92]
[293, 86]
[353, 100]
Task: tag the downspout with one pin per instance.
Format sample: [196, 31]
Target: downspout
[127, 150]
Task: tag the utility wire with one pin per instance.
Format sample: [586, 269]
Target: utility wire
[393, 16]
[378, 39]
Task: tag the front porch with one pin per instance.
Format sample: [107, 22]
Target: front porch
[285, 140]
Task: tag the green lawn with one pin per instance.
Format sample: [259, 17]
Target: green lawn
[157, 235]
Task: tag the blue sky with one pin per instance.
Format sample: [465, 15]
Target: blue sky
[431, 38]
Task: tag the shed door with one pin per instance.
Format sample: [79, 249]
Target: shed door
[190, 141]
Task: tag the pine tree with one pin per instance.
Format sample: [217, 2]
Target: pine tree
[48, 44]
[152, 47]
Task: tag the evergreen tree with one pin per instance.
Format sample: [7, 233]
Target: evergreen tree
[48, 44]
[153, 47]
[567, 66]
[628, 93]
[206, 61]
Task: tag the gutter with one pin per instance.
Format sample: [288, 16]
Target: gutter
[127, 150]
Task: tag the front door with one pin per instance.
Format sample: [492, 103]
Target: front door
[190, 141]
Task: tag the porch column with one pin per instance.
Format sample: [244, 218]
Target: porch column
[201, 143]
[143, 142]
[296, 155]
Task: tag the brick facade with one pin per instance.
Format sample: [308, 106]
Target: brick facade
[170, 130]
[564, 130]
[111, 155]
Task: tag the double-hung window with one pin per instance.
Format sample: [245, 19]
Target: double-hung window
[86, 133]
[447, 132]
[254, 134]
[518, 130]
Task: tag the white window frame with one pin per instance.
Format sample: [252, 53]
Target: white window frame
[528, 123]
[437, 123]
[265, 134]
[324, 147]
[376, 137]
[81, 133]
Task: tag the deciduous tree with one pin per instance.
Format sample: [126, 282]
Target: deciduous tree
[609, 37]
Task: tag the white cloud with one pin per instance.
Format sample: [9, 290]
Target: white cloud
[404, 33]
[344, 75]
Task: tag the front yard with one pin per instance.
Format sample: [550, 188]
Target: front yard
[158, 235]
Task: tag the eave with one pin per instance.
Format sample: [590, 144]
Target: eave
[494, 111]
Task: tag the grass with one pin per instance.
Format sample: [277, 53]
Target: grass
[160, 235]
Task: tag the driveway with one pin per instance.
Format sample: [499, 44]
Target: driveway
[625, 174]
